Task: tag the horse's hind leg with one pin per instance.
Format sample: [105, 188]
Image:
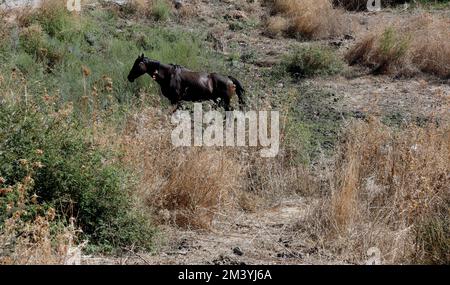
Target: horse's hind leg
[226, 103]
[225, 97]
[175, 106]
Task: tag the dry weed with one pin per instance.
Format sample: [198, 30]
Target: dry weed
[40, 240]
[385, 185]
[308, 19]
[419, 44]
[184, 186]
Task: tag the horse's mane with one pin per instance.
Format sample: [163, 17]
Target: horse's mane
[177, 67]
[175, 80]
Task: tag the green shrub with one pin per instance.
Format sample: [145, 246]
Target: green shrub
[298, 139]
[311, 61]
[44, 49]
[392, 45]
[55, 19]
[32, 39]
[68, 173]
[26, 63]
[160, 10]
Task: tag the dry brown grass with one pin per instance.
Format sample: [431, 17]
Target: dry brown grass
[272, 179]
[203, 183]
[385, 186]
[361, 5]
[188, 187]
[421, 44]
[275, 26]
[181, 186]
[38, 241]
[307, 18]
[35, 242]
[188, 10]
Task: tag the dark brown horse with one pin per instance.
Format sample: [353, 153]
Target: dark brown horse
[180, 84]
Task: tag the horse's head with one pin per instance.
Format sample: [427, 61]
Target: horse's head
[141, 66]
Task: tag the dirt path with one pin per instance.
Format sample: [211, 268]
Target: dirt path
[265, 237]
[393, 98]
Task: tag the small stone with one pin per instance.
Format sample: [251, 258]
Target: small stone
[238, 251]
[178, 4]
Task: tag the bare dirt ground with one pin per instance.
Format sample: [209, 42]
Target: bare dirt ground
[264, 237]
[269, 236]
[414, 97]
[411, 98]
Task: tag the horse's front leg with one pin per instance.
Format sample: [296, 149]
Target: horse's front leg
[175, 105]
[174, 108]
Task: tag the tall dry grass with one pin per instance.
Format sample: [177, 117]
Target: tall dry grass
[390, 189]
[306, 18]
[189, 186]
[420, 44]
[186, 187]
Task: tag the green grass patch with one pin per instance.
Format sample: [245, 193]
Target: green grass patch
[314, 60]
[314, 124]
[160, 10]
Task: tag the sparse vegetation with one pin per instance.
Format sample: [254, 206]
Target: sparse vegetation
[361, 5]
[419, 45]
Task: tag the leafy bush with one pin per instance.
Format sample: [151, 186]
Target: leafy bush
[312, 60]
[68, 173]
[160, 10]
[55, 19]
[32, 39]
[26, 63]
[36, 43]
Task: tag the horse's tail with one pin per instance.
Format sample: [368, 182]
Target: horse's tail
[239, 90]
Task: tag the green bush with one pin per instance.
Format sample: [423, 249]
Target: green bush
[32, 39]
[55, 19]
[26, 63]
[69, 174]
[44, 49]
[160, 10]
[311, 61]
[393, 46]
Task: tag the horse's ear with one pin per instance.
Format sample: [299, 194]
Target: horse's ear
[142, 56]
